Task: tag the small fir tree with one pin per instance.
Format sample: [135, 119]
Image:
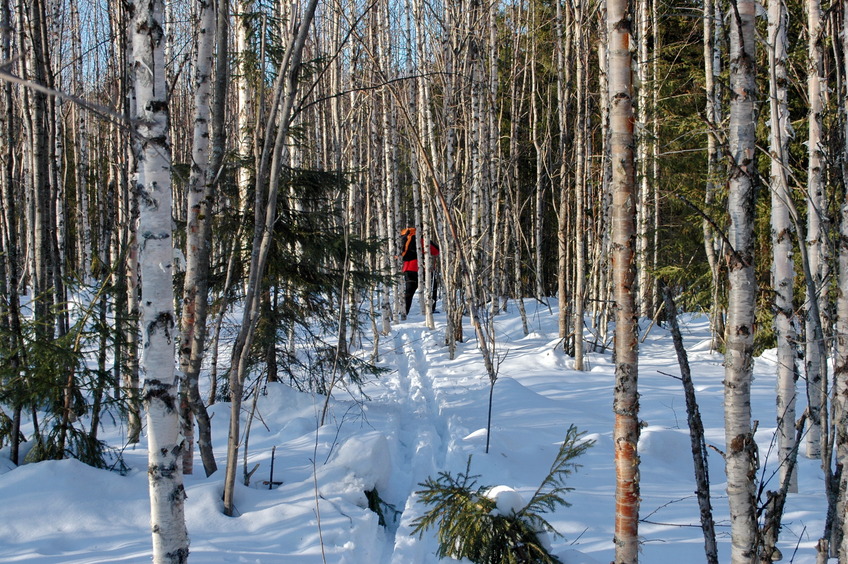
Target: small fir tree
[470, 525]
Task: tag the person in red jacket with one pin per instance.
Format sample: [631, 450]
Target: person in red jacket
[409, 255]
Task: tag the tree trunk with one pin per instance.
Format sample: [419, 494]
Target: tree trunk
[623, 185]
[285, 90]
[131, 148]
[816, 365]
[158, 324]
[840, 360]
[740, 448]
[198, 241]
[581, 174]
[783, 270]
[713, 26]
[696, 435]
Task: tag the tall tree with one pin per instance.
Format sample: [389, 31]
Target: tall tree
[270, 171]
[840, 360]
[713, 34]
[198, 242]
[158, 323]
[815, 361]
[740, 447]
[783, 269]
[623, 188]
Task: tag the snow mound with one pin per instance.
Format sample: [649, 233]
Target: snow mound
[364, 462]
[669, 446]
[508, 502]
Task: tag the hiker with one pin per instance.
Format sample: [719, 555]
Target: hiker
[409, 255]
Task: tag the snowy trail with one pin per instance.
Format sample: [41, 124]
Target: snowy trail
[426, 414]
[422, 438]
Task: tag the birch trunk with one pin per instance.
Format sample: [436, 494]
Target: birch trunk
[10, 219]
[158, 327]
[840, 360]
[815, 362]
[712, 70]
[623, 186]
[580, 152]
[840, 376]
[783, 270]
[244, 19]
[564, 92]
[644, 182]
[131, 151]
[539, 152]
[83, 227]
[41, 228]
[740, 448]
[198, 241]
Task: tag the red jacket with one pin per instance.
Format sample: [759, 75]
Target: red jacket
[409, 250]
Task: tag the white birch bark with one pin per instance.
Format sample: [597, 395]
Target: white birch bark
[581, 173]
[740, 448]
[814, 362]
[244, 96]
[158, 327]
[130, 210]
[643, 142]
[389, 168]
[539, 153]
[712, 70]
[604, 286]
[783, 270]
[198, 233]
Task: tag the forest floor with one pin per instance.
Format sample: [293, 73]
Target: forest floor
[427, 414]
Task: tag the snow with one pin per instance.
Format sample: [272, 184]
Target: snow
[508, 502]
[425, 415]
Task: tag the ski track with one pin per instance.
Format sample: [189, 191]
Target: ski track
[422, 438]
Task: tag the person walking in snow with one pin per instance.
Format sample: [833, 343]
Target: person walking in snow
[409, 255]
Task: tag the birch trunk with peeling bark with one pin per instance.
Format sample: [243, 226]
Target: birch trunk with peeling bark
[840, 377]
[623, 187]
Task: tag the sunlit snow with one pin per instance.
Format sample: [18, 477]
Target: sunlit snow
[425, 415]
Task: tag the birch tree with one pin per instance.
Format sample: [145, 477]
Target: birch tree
[840, 361]
[158, 326]
[740, 447]
[815, 363]
[713, 33]
[623, 187]
[198, 234]
[783, 269]
[840, 376]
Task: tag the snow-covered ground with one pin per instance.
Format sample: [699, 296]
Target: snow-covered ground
[427, 414]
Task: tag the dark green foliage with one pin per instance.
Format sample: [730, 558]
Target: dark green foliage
[56, 380]
[313, 265]
[470, 528]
